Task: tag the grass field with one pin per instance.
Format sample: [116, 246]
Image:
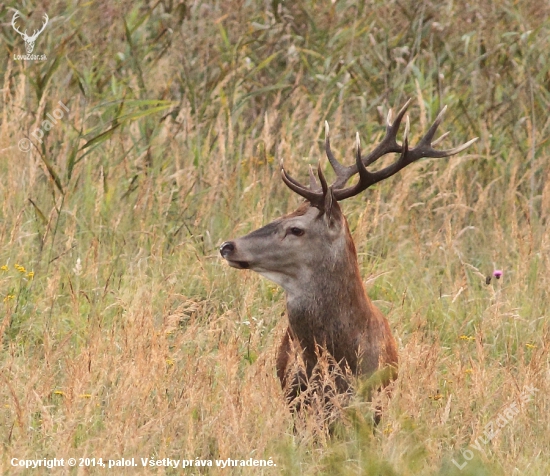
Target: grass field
[123, 333]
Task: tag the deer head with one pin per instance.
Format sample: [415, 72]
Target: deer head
[295, 247]
[311, 254]
[29, 40]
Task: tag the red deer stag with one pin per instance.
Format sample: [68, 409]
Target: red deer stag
[311, 254]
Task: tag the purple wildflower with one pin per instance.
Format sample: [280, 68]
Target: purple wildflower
[497, 273]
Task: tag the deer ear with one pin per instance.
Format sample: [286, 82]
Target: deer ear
[333, 212]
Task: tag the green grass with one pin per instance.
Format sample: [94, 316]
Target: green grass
[132, 339]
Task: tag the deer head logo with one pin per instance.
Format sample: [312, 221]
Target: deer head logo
[29, 40]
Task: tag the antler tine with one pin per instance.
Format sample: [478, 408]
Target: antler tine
[366, 178]
[427, 139]
[315, 193]
[37, 32]
[388, 144]
[399, 117]
[343, 173]
[16, 16]
[439, 139]
[313, 184]
[322, 178]
[364, 175]
[337, 166]
[424, 149]
[457, 149]
[293, 180]
[295, 186]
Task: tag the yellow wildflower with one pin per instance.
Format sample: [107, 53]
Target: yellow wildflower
[86, 395]
[31, 274]
[8, 297]
[59, 392]
[530, 346]
[170, 362]
[4, 267]
[468, 371]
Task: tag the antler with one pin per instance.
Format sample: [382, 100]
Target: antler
[34, 36]
[17, 15]
[37, 32]
[423, 149]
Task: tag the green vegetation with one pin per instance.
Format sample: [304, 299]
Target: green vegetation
[124, 335]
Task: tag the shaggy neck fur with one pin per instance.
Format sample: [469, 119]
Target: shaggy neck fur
[333, 311]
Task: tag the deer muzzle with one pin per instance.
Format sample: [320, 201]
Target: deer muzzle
[228, 250]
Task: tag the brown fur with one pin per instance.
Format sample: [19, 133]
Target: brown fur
[344, 322]
[329, 312]
[310, 253]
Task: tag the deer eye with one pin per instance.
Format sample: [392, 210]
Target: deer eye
[296, 231]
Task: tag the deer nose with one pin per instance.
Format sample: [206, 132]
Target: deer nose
[227, 248]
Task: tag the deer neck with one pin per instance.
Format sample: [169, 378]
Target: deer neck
[332, 307]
